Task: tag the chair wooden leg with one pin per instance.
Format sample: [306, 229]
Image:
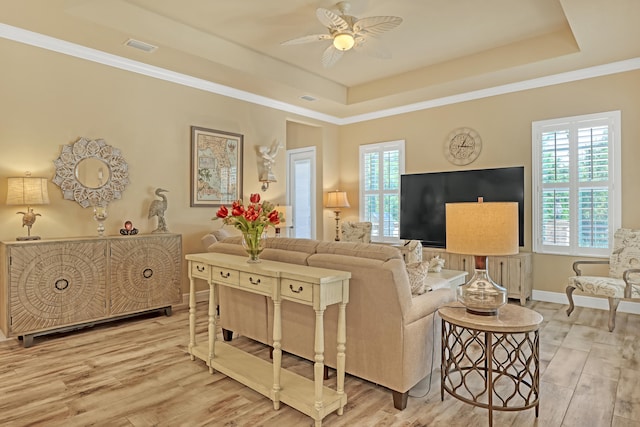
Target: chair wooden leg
[613, 306]
[569, 291]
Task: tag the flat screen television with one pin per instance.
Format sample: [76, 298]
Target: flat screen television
[423, 197]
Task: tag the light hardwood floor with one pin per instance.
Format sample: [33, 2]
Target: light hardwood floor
[138, 373]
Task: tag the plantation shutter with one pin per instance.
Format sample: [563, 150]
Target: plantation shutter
[380, 168]
[574, 206]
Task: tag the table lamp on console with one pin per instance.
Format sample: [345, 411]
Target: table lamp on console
[337, 200]
[27, 191]
[482, 229]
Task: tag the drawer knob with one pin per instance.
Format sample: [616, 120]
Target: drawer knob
[200, 268]
[61, 284]
[225, 275]
[297, 291]
[254, 282]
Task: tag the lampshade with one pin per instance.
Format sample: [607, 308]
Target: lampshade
[27, 191]
[343, 41]
[286, 215]
[337, 199]
[482, 228]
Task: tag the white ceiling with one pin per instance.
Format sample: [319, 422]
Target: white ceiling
[443, 48]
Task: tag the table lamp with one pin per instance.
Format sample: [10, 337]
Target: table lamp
[27, 191]
[337, 200]
[482, 229]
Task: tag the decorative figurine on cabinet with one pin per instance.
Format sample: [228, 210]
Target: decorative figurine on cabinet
[128, 229]
[157, 209]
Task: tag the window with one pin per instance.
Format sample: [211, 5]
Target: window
[380, 168]
[576, 184]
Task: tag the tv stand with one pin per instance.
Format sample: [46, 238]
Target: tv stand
[514, 272]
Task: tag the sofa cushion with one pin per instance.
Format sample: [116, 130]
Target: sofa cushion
[227, 248]
[208, 240]
[361, 250]
[294, 251]
[221, 233]
[307, 246]
[417, 272]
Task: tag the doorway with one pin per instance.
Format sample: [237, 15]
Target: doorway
[301, 191]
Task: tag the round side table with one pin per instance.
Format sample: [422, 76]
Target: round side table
[491, 362]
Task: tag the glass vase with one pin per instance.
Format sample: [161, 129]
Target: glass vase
[253, 243]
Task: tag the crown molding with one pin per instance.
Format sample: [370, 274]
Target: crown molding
[78, 51]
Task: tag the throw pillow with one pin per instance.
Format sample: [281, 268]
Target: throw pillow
[221, 234]
[417, 272]
[435, 264]
[414, 252]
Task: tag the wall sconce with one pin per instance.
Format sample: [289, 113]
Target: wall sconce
[27, 191]
[286, 213]
[266, 180]
[337, 200]
[265, 164]
[487, 229]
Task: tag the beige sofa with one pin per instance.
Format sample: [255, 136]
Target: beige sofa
[390, 333]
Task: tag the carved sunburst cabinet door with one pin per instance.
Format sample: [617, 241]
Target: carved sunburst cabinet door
[145, 273]
[57, 284]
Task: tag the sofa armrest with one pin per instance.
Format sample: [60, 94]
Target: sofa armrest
[428, 303]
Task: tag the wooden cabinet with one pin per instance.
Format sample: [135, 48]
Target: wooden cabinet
[514, 272]
[48, 285]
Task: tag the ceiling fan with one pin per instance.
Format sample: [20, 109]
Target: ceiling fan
[347, 32]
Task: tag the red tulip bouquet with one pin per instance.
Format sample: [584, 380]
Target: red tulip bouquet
[252, 221]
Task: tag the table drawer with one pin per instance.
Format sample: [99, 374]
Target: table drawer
[257, 282]
[200, 269]
[295, 289]
[225, 275]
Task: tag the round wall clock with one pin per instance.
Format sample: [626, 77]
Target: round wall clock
[462, 146]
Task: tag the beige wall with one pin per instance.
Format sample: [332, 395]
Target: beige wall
[504, 123]
[48, 100]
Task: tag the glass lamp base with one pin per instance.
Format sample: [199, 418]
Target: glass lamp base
[481, 295]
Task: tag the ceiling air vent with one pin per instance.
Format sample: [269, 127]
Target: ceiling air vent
[137, 44]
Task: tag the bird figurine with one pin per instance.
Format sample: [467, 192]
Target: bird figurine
[157, 209]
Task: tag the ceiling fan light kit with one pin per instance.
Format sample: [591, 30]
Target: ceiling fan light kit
[347, 32]
[343, 41]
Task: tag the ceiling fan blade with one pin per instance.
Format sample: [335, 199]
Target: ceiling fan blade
[330, 56]
[331, 20]
[376, 25]
[372, 46]
[307, 39]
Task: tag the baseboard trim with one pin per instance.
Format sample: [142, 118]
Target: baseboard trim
[585, 301]
[201, 296]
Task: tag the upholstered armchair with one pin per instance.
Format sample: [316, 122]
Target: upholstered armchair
[356, 232]
[623, 281]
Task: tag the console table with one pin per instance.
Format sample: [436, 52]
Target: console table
[316, 287]
[491, 362]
